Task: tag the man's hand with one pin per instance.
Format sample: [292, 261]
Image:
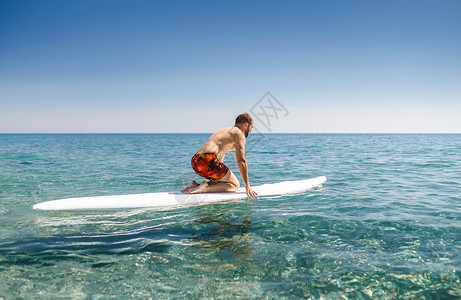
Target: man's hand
[250, 192]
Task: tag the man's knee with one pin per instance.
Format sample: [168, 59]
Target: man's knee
[237, 184]
[232, 188]
[234, 181]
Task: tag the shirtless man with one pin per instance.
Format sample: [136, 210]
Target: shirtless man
[208, 162]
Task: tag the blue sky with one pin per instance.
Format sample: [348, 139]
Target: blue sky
[192, 66]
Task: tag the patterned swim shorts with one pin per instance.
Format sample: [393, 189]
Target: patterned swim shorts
[207, 165]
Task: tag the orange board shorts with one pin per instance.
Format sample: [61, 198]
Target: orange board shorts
[207, 165]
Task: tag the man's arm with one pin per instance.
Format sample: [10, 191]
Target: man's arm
[242, 163]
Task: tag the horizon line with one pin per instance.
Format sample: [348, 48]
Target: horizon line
[37, 133]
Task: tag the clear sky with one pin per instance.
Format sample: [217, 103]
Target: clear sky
[192, 66]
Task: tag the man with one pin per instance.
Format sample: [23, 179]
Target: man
[208, 161]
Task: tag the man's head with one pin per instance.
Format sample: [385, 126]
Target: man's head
[245, 123]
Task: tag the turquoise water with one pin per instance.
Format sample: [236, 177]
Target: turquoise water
[386, 224]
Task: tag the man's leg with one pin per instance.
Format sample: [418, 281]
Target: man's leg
[228, 184]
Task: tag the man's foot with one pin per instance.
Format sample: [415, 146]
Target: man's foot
[199, 189]
[192, 185]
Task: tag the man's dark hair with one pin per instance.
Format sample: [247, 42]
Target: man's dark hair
[243, 118]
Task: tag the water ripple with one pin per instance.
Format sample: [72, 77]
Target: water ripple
[385, 225]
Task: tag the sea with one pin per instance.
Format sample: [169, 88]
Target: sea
[385, 225]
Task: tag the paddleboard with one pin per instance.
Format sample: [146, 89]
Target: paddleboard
[174, 199]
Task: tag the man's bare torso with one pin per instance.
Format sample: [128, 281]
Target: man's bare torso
[221, 142]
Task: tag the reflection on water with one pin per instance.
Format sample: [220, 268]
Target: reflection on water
[229, 230]
[228, 247]
[88, 236]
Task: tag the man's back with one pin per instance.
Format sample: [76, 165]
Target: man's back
[221, 142]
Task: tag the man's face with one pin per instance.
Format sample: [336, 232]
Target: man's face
[249, 128]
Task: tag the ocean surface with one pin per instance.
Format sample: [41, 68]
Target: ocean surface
[385, 225]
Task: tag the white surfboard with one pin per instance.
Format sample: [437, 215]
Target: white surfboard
[174, 199]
